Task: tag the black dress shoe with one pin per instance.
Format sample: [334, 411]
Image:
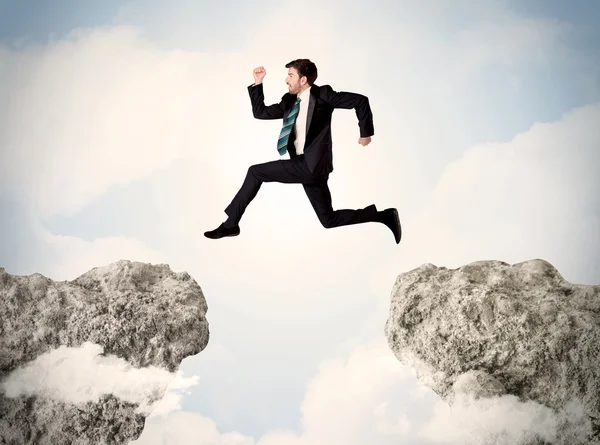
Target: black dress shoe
[390, 218]
[222, 231]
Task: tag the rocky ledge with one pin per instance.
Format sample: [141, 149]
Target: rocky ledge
[83, 361]
[492, 338]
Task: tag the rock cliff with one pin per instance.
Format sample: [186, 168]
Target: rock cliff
[83, 361]
[493, 338]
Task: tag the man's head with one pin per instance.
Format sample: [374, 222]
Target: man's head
[302, 73]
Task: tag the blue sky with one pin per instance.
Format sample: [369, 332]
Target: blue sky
[36, 21]
[484, 139]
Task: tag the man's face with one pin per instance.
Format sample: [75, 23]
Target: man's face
[293, 81]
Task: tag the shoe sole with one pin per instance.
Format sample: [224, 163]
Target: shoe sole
[222, 236]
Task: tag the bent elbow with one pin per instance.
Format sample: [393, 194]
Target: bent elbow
[257, 113]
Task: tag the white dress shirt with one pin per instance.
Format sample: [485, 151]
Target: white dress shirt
[300, 124]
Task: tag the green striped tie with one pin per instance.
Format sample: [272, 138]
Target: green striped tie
[287, 128]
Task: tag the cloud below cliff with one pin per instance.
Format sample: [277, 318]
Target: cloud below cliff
[503, 420]
[350, 400]
[367, 393]
[78, 375]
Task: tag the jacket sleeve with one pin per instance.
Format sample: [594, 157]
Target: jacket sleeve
[259, 110]
[354, 101]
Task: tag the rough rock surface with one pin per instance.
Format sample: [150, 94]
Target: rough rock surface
[145, 314]
[490, 331]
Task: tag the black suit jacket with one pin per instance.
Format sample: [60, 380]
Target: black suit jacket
[323, 100]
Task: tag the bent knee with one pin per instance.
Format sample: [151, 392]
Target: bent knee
[327, 221]
[254, 172]
[261, 169]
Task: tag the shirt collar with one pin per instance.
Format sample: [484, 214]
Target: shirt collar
[304, 95]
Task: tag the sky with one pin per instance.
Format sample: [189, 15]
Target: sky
[126, 129]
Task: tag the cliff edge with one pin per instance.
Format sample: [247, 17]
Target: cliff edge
[84, 361]
[492, 338]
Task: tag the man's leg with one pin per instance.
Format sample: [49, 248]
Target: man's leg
[288, 171]
[291, 171]
[320, 197]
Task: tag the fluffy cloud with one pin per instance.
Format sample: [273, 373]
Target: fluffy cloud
[369, 395]
[68, 257]
[505, 421]
[354, 400]
[350, 400]
[79, 375]
[29, 247]
[185, 428]
[531, 197]
[99, 108]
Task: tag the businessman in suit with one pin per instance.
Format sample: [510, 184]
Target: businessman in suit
[306, 110]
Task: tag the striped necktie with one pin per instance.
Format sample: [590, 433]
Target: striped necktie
[287, 128]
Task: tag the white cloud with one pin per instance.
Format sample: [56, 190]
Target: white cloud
[509, 41]
[79, 375]
[368, 396]
[99, 108]
[532, 197]
[183, 428]
[174, 395]
[504, 420]
[351, 400]
[68, 257]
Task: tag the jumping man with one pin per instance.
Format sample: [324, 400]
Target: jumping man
[306, 110]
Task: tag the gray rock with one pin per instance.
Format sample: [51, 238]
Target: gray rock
[142, 319]
[489, 333]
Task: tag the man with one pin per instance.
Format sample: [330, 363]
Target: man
[306, 111]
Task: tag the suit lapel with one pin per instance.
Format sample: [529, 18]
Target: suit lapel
[311, 105]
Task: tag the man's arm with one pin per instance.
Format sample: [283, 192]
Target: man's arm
[348, 101]
[259, 110]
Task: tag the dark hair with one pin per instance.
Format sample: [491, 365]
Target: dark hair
[305, 68]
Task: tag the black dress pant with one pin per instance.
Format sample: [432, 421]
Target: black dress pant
[295, 171]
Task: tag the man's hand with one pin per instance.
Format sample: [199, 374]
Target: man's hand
[364, 141]
[259, 74]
